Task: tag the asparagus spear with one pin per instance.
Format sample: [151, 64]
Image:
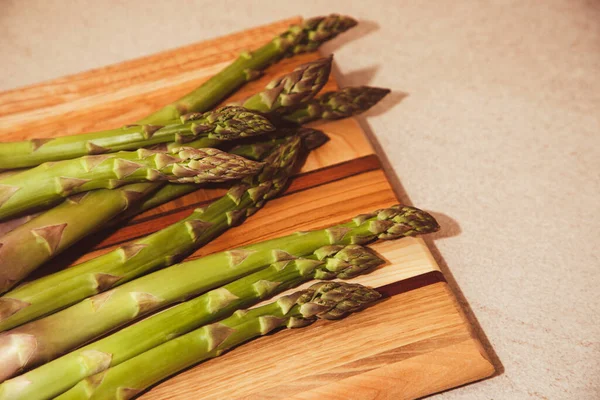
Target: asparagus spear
[46, 184]
[47, 338]
[43, 238]
[339, 104]
[326, 300]
[226, 123]
[306, 37]
[59, 375]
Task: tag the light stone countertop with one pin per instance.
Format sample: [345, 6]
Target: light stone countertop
[499, 133]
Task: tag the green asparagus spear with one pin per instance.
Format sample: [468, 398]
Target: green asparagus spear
[343, 103]
[47, 338]
[226, 123]
[30, 245]
[306, 37]
[59, 375]
[47, 184]
[326, 300]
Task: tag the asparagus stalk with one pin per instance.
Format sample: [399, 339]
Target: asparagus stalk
[343, 103]
[158, 250]
[47, 184]
[43, 238]
[306, 37]
[47, 338]
[326, 300]
[59, 375]
[226, 123]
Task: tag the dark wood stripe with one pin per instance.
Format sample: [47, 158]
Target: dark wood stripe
[333, 173]
[299, 183]
[413, 283]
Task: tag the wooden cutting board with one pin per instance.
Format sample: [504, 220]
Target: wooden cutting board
[414, 343]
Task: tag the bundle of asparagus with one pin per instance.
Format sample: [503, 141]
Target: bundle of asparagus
[44, 185]
[325, 300]
[54, 315]
[57, 376]
[36, 342]
[158, 250]
[62, 225]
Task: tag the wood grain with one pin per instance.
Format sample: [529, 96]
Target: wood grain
[415, 342]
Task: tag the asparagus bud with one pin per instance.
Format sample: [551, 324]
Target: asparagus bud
[344, 103]
[292, 89]
[226, 123]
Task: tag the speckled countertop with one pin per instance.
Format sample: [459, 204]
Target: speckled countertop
[498, 132]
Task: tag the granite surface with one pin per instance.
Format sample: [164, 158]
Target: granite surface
[494, 125]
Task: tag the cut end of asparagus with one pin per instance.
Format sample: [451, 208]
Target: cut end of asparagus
[229, 123]
[334, 300]
[313, 32]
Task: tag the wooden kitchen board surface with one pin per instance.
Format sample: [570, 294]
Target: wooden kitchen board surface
[414, 343]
